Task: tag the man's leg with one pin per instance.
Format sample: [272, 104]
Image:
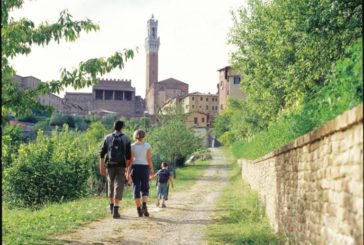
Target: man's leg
[119, 182]
[110, 188]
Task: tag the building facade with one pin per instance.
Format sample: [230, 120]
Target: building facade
[200, 108]
[30, 82]
[228, 86]
[158, 92]
[109, 96]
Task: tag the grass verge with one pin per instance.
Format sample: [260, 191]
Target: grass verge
[26, 226]
[239, 218]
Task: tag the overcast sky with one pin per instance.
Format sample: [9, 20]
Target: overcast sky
[193, 37]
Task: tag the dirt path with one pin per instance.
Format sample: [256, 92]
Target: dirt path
[182, 222]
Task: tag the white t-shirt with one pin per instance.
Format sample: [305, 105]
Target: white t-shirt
[140, 153]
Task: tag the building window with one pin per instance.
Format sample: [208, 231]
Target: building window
[195, 120]
[221, 107]
[203, 119]
[193, 98]
[118, 95]
[128, 95]
[201, 98]
[99, 94]
[236, 79]
[108, 95]
[207, 107]
[207, 99]
[193, 106]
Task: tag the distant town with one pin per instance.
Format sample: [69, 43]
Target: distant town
[118, 96]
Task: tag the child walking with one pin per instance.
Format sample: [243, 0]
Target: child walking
[163, 179]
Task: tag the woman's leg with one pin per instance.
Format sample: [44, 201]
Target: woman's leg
[144, 177]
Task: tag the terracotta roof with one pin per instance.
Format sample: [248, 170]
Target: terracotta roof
[171, 80]
[226, 67]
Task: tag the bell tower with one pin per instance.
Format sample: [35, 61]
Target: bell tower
[151, 48]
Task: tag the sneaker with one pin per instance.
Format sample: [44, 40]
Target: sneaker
[163, 205]
[145, 211]
[140, 213]
[115, 213]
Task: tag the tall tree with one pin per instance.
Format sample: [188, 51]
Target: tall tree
[17, 38]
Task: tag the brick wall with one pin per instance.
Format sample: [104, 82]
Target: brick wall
[312, 188]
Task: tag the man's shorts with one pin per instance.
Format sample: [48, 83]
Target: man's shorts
[115, 182]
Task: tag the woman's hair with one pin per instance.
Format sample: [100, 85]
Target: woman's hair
[139, 134]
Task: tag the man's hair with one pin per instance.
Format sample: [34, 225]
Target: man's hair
[118, 125]
[164, 164]
[139, 134]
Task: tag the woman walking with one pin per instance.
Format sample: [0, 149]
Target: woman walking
[140, 169]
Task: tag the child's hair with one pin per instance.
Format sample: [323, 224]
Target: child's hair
[139, 134]
[164, 164]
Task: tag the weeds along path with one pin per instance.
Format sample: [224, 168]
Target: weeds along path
[182, 222]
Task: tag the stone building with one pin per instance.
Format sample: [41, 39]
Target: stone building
[157, 93]
[109, 96]
[228, 86]
[30, 82]
[201, 108]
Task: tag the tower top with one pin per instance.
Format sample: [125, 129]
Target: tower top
[152, 40]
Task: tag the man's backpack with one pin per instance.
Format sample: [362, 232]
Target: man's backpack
[116, 151]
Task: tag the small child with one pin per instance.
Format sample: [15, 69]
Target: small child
[163, 179]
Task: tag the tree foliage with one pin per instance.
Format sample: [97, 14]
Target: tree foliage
[171, 140]
[287, 47]
[287, 53]
[17, 38]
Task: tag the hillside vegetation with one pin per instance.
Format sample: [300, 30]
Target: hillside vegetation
[301, 63]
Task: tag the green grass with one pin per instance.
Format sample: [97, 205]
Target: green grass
[239, 218]
[27, 226]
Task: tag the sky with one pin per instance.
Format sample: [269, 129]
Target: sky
[193, 39]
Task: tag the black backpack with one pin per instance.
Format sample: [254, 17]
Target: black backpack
[116, 151]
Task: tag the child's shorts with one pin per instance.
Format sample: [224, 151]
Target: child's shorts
[162, 190]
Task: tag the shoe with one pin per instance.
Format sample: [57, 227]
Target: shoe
[111, 208]
[140, 213]
[163, 205]
[145, 211]
[115, 213]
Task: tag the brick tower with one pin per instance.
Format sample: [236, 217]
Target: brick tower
[151, 48]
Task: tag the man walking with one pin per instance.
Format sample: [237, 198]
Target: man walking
[116, 147]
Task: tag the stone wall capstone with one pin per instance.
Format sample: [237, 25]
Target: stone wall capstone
[312, 188]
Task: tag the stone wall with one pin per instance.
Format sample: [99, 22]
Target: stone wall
[312, 188]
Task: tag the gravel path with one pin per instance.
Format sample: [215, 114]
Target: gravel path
[182, 222]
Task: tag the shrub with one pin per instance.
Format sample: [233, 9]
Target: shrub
[12, 137]
[50, 169]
